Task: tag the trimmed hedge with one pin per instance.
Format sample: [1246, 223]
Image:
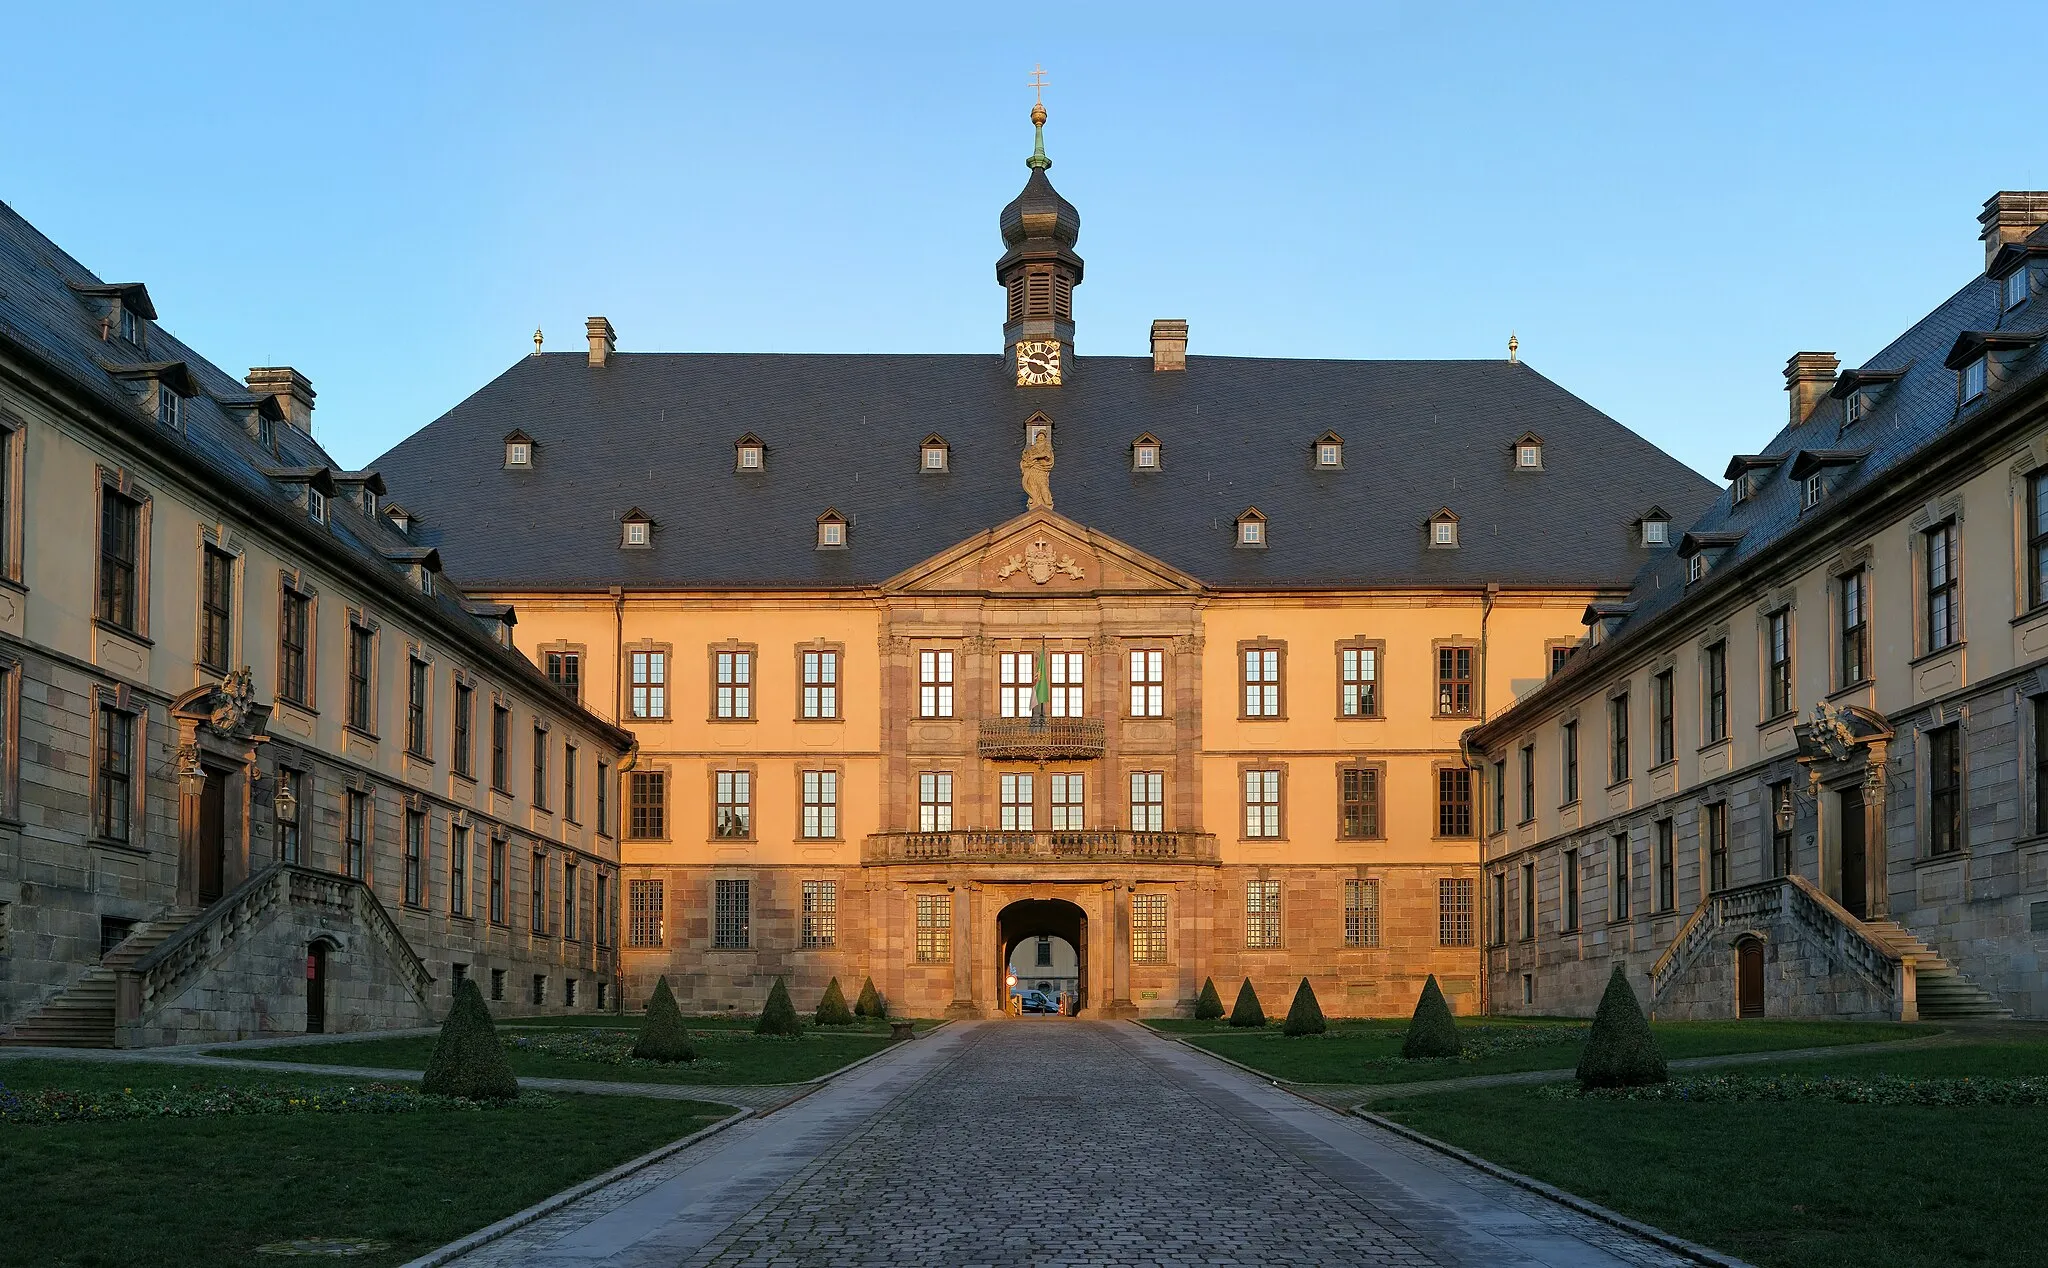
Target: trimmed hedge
[1247, 1012]
[870, 1003]
[468, 1061]
[663, 1037]
[1305, 1015]
[1621, 1051]
[1431, 1031]
[1210, 1006]
[778, 1015]
[832, 1010]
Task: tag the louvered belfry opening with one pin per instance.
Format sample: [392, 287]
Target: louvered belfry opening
[1038, 293]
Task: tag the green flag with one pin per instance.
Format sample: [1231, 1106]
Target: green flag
[1041, 691]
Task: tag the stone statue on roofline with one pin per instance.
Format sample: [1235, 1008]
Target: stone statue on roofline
[1036, 468]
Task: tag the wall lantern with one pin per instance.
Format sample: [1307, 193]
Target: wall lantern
[191, 774]
[285, 806]
[1784, 812]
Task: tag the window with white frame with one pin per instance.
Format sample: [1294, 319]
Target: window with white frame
[821, 803]
[1329, 453]
[935, 801]
[1145, 455]
[1656, 532]
[1015, 793]
[831, 533]
[1359, 672]
[1262, 913]
[1262, 803]
[636, 532]
[1069, 694]
[935, 684]
[1262, 682]
[2016, 288]
[1443, 532]
[1148, 684]
[1016, 683]
[1973, 378]
[1148, 801]
[733, 803]
[1251, 532]
[518, 453]
[733, 680]
[821, 684]
[1528, 455]
[650, 684]
[1068, 802]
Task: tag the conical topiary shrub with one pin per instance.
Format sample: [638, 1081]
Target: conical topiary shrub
[1305, 1016]
[663, 1037]
[1431, 1032]
[468, 1060]
[778, 1015]
[1621, 1051]
[832, 1010]
[1210, 1006]
[870, 1002]
[1247, 1012]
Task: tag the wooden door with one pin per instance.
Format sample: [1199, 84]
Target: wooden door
[1749, 978]
[1855, 880]
[212, 837]
[316, 988]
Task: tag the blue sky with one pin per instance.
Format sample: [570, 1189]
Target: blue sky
[1664, 203]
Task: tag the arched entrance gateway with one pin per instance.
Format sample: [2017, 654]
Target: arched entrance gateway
[1024, 923]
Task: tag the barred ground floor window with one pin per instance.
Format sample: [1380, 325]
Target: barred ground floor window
[1361, 913]
[1262, 913]
[1454, 911]
[731, 913]
[1148, 929]
[934, 928]
[821, 913]
[644, 911]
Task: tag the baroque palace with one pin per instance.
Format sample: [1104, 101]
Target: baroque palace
[937, 661]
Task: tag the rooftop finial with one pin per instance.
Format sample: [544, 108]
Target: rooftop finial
[1514, 346]
[536, 341]
[1038, 161]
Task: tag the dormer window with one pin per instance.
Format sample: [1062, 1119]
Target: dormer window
[170, 407]
[369, 502]
[1529, 453]
[1695, 568]
[1815, 489]
[1656, 529]
[934, 455]
[316, 505]
[1039, 424]
[831, 531]
[127, 307]
[1329, 451]
[401, 519]
[1443, 530]
[1854, 406]
[1251, 529]
[519, 451]
[751, 454]
[2016, 288]
[426, 580]
[1145, 453]
[1701, 551]
[636, 530]
[1972, 380]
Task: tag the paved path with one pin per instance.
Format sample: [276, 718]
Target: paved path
[1055, 1143]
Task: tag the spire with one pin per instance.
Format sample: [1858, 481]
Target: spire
[1039, 269]
[1038, 162]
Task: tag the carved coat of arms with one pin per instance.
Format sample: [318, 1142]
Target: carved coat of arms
[233, 700]
[1041, 563]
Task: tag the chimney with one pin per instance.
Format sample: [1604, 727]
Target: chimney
[604, 341]
[1169, 344]
[2009, 216]
[1808, 377]
[292, 391]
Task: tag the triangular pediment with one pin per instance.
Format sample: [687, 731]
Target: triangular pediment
[1041, 554]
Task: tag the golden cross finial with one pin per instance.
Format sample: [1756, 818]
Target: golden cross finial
[536, 340]
[1037, 84]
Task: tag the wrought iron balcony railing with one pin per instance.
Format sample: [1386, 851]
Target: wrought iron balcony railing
[978, 845]
[1040, 739]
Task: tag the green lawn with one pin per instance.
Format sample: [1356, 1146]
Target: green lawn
[200, 1193]
[727, 1056]
[1367, 1052]
[1800, 1185]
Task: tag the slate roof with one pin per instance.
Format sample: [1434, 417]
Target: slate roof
[656, 431]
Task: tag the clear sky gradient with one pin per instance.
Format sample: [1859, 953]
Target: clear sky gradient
[1663, 202]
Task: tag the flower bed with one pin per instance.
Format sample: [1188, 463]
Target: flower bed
[43, 1106]
[604, 1047]
[1882, 1089]
[1477, 1043]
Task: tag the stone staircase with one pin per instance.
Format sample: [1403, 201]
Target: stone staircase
[1944, 994]
[82, 1016]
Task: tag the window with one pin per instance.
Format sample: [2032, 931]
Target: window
[604, 793]
[1454, 911]
[1853, 665]
[1528, 782]
[1017, 684]
[820, 684]
[1016, 802]
[1262, 913]
[2037, 538]
[1663, 695]
[932, 455]
[415, 858]
[1560, 656]
[1714, 823]
[571, 900]
[1778, 664]
[1715, 690]
[821, 913]
[1454, 801]
[565, 670]
[316, 505]
[1528, 901]
[1618, 905]
[362, 667]
[569, 755]
[751, 454]
[1667, 866]
[1443, 533]
[1043, 957]
[821, 804]
[569, 992]
[116, 794]
[934, 928]
[643, 913]
[537, 894]
[501, 748]
[1262, 682]
[1569, 768]
[1262, 803]
[1973, 377]
[1251, 532]
[1568, 878]
[1148, 928]
[216, 607]
[636, 533]
[647, 805]
[1695, 567]
[1148, 801]
[458, 870]
[1656, 532]
[2040, 709]
[1358, 673]
[650, 684]
[1361, 913]
[1944, 790]
[1498, 886]
[540, 768]
[1529, 455]
[831, 533]
[1069, 696]
[1779, 813]
[733, 685]
[1500, 796]
[519, 453]
[935, 684]
[1944, 612]
[498, 984]
[1358, 809]
[1454, 682]
[290, 839]
[732, 803]
[2015, 288]
[120, 551]
[416, 678]
[1617, 739]
[355, 832]
[1145, 454]
[540, 989]
[603, 907]
[935, 801]
[1068, 802]
[1330, 453]
[1148, 684]
[1815, 489]
[500, 883]
[464, 756]
[170, 407]
[1854, 407]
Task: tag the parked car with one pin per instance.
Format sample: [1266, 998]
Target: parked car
[1036, 1002]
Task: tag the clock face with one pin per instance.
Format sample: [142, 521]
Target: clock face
[1038, 362]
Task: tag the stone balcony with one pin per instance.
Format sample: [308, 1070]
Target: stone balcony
[981, 845]
[1040, 739]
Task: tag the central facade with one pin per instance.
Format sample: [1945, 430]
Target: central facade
[1168, 657]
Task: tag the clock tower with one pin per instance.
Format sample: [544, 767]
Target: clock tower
[1038, 274]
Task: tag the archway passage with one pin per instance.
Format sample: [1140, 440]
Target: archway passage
[1749, 978]
[1022, 924]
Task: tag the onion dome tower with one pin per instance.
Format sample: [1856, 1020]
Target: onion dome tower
[1038, 273]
